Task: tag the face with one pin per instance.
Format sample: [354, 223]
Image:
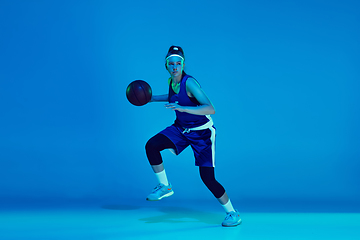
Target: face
[175, 65]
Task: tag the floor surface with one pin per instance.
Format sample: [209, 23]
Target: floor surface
[172, 220]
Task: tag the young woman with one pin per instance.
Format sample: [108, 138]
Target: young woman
[193, 126]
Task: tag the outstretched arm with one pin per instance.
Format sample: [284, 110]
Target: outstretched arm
[159, 98]
[194, 90]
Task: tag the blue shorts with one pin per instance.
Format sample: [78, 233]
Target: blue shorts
[202, 143]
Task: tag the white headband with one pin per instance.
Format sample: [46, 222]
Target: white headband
[172, 55]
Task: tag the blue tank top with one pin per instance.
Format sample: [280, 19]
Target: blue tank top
[186, 120]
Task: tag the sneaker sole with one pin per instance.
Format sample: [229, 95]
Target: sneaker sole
[157, 199]
[234, 225]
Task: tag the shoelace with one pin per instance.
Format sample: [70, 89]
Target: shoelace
[230, 215]
[157, 188]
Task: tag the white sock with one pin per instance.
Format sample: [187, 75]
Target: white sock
[228, 207]
[161, 176]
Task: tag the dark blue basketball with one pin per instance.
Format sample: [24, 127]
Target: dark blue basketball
[138, 93]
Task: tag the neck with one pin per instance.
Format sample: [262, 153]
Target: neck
[177, 79]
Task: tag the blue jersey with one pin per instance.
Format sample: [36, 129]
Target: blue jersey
[186, 120]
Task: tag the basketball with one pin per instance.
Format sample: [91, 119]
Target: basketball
[138, 93]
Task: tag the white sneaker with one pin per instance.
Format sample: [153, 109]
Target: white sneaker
[160, 191]
[232, 219]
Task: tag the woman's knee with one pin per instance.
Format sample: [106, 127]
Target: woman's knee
[207, 174]
[150, 145]
[158, 143]
[208, 177]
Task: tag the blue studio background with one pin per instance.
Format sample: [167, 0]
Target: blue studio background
[282, 75]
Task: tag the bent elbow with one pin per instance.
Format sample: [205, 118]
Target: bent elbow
[208, 110]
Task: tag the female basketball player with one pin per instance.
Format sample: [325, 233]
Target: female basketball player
[193, 126]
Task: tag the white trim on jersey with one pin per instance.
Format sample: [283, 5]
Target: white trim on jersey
[207, 125]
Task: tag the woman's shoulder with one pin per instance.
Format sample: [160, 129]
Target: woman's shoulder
[189, 77]
[191, 80]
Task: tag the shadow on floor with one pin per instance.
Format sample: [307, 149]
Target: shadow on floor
[120, 207]
[171, 214]
[181, 215]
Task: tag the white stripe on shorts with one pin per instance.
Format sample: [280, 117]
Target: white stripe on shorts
[212, 138]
